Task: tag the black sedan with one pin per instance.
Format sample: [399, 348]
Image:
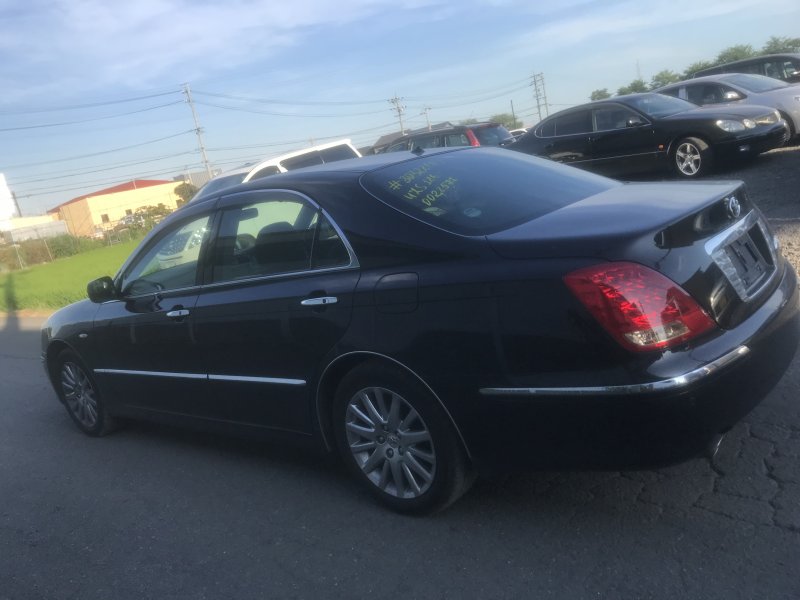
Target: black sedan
[646, 132]
[435, 316]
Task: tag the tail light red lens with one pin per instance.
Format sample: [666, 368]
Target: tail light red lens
[641, 308]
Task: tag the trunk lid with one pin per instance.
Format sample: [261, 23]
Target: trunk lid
[706, 236]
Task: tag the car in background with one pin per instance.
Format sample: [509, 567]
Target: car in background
[132, 220]
[315, 155]
[646, 132]
[785, 67]
[433, 316]
[741, 88]
[477, 134]
[518, 133]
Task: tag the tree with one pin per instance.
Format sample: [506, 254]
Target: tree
[697, 66]
[635, 86]
[778, 45]
[185, 191]
[601, 94]
[507, 120]
[152, 214]
[468, 122]
[737, 52]
[663, 78]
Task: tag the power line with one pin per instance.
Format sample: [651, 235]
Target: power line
[289, 102]
[283, 114]
[104, 182]
[133, 112]
[90, 105]
[68, 174]
[483, 99]
[57, 160]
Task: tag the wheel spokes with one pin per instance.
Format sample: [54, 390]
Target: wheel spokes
[79, 395]
[390, 442]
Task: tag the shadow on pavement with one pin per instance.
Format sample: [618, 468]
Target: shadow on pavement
[12, 319]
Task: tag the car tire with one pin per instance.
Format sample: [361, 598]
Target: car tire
[80, 395]
[398, 441]
[692, 158]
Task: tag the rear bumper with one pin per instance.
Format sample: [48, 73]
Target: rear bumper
[660, 421]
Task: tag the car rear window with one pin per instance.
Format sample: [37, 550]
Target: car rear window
[492, 136]
[341, 152]
[480, 191]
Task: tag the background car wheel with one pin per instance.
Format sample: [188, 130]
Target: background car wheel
[80, 396]
[397, 441]
[692, 157]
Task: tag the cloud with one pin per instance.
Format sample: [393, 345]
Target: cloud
[603, 21]
[146, 43]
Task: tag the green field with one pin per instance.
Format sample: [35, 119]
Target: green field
[56, 284]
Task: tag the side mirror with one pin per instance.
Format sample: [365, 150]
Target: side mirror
[634, 122]
[101, 290]
[731, 95]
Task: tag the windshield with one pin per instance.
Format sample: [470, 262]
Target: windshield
[659, 105]
[756, 83]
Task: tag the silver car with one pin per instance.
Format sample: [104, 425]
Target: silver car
[742, 88]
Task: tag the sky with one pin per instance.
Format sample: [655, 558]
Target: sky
[93, 91]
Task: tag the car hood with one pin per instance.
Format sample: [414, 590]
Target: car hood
[605, 224]
[724, 111]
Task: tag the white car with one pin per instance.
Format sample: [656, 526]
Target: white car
[315, 155]
[742, 88]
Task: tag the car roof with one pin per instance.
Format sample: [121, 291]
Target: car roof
[353, 166]
[446, 129]
[744, 61]
[716, 77]
[276, 159]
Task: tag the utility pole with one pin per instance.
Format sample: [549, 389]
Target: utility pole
[425, 112]
[16, 204]
[539, 94]
[197, 129]
[400, 109]
[513, 114]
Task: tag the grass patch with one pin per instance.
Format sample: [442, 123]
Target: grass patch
[56, 284]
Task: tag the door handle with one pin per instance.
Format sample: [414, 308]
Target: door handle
[177, 314]
[322, 300]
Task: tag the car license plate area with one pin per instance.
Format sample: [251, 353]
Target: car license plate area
[751, 260]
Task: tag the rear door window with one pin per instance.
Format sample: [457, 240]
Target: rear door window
[607, 118]
[574, 123]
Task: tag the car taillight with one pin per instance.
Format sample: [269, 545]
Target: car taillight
[640, 308]
[473, 141]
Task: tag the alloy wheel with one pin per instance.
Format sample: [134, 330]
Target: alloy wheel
[390, 442]
[688, 159]
[79, 394]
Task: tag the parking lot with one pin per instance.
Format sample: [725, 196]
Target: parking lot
[154, 512]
